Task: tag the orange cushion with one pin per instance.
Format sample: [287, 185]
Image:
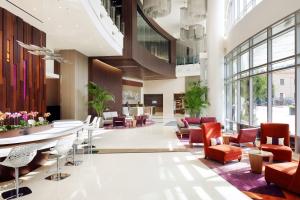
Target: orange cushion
[281, 173]
[281, 153]
[224, 153]
[275, 147]
[225, 148]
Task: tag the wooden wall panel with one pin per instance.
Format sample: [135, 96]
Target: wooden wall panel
[109, 78]
[22, 75]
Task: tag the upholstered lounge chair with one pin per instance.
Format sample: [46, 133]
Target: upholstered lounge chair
[285, 175]
[222, 153]
[276, 130]
[195, 136]
[244, 136]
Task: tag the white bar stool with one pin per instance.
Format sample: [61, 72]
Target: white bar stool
[62, 147]
[78, 141]
[19, 156]
[90, 129]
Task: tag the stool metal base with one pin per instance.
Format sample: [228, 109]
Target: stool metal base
[12, 194]
[57, 177]
[75, 163]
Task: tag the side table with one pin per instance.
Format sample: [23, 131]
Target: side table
[256, 158]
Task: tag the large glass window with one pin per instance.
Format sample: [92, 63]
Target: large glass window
[283, 45]
[234, 101]
[260, 99]
[245, 61]
[263, 88]
[245, 100]
[283, 97]
[149, 38]
[260, 54]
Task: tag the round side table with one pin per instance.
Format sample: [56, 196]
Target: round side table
[256, 158]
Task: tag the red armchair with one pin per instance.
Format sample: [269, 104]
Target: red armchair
[222, 153]
[276, 130]
[244, 136]
[285, 175]
[195, 136]
[119, 121]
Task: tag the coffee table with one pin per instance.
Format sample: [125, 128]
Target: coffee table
[256, 158]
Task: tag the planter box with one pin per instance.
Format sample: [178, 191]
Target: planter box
[19, 132]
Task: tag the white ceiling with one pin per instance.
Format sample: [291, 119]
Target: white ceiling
[66, 24]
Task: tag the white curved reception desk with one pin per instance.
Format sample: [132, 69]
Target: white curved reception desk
[46, 138]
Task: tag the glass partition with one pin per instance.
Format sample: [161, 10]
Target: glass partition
[150, 39]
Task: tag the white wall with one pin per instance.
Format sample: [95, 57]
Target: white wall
[73, 81]
[168, 88]
[263, 15]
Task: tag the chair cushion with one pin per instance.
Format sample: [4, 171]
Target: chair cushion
[186, 124]
[216, 141]
[281, 153]
[273, 147]
[281, 173]
[180, 123]
[224, 152]
[275, 140]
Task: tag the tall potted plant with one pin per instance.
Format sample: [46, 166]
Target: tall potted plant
[98, 98]
[195, 99]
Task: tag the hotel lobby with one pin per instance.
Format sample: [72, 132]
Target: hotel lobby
[150, 99]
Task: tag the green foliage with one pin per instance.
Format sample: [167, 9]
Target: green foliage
[23, 123]
[260, 88]
[195, 100]
[99, 98]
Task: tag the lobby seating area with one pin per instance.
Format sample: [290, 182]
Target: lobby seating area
[150, 100]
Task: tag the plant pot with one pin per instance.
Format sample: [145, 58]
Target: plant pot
[19, 132]
[101, 124]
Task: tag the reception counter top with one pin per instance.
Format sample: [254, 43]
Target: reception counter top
[46, 138]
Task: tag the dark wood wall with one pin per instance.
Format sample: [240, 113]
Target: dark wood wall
[109, 78]
[22, 75]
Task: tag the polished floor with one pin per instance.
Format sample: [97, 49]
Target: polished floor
[134, 176]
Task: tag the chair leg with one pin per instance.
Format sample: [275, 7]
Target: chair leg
[240, 159]
[17, 191]
[17, 182]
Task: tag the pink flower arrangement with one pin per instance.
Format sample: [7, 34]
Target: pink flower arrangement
[33, 114]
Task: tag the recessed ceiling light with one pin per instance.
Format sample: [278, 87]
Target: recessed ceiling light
[60, 7]
[34, 9]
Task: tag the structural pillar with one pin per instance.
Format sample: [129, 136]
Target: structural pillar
[73, 85]
[215, 67]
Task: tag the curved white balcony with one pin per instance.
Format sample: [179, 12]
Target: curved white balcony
[104, 23]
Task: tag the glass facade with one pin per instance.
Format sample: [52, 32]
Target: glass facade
[260, 79]
[150, 39]
[237, 9]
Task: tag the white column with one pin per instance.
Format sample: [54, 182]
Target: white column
[215, 68]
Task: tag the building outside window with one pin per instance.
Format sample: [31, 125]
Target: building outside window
[261, 83]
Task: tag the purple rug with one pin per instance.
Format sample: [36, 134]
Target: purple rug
[238, 173]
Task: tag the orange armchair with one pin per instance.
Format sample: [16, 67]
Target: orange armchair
[222, 153]
[244, 136]
[285, 175]
[276, 130]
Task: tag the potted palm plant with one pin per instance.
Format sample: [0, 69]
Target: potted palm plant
[98, 99]
[195, 99]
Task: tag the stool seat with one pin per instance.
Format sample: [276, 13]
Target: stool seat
[19, 156]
